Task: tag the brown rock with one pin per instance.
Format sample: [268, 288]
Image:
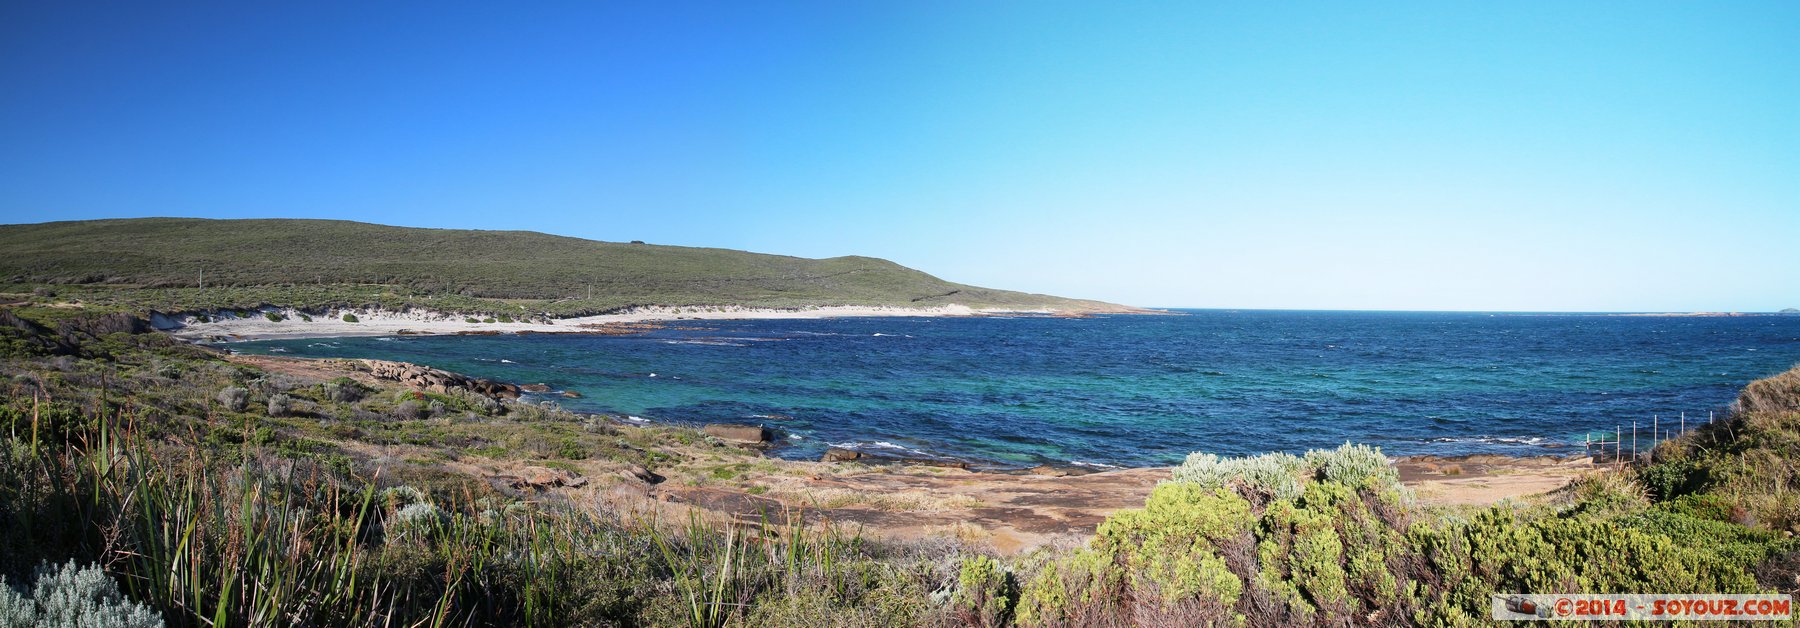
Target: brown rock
[836, 454]
[640, 474]
[536, 388]
[570, 394]
[542, 478]
[436, 380]
[738, 432]
[1044, 469]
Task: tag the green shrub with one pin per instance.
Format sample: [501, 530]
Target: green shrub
[274, 317]
[343, 390]
[1675, 478]
[349, 318]
[305, 317]
[471, 320]
[985, 593]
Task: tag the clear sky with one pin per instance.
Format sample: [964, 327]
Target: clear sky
[1451, 155]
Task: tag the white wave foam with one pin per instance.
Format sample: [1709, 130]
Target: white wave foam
[1095, 465]
[1538, 441]
[882, 444]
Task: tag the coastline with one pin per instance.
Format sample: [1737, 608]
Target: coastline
[223, 327]
[1008, 510]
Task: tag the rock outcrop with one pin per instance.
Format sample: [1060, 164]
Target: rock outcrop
[436, 380]
[739, 433]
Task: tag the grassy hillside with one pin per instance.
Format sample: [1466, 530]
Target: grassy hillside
[159, 262]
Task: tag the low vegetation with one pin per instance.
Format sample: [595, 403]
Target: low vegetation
[208, 492]
[181, 264]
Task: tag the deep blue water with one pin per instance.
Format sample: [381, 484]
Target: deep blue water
[1140, 390]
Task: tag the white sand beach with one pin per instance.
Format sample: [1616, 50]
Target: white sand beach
[229, 327]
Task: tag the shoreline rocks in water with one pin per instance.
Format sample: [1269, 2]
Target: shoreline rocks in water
[740, 433]
[436, 380]
[840, 454]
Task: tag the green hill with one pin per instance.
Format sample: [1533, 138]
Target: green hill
[159, 263]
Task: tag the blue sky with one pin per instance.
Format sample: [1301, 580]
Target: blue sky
[1489, 156]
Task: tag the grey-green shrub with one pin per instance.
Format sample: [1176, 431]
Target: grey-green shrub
[234, 398]
[1281, 476]
[418, 520]
[280, 405]
[1353, 465]
[16, 610]
[1276, 475]
[73, 597]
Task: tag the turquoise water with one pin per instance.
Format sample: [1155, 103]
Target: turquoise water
[1139, 390]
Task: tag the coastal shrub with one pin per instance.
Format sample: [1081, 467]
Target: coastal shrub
[985, 593]
[1269, 476]
[73, 597]
[274, 317]
[280, 405]
[1355, 466]
[343, 390]
[349, 318]
[489, 319]
[1675, 478]
[234, 398]
[415, 521]
[504, 318]
[409, 410]
[306, 318]
[1608, 492]
[168, 370]
[471, 320]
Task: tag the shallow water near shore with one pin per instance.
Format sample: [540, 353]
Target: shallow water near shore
[1139, 390]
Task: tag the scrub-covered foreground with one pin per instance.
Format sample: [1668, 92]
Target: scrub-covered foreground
[211, 493]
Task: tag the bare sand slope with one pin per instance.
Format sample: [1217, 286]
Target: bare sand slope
[256, 326]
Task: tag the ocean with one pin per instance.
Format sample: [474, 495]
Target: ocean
[1138, 390]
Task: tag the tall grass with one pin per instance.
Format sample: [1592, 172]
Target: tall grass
[281, 542]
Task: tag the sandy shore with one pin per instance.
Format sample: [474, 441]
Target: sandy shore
[257, 326]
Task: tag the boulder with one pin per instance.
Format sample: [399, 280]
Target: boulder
[738, 432]
[536, 388]
[570, 394]
[541, 478]
[838, 454]
[640, 474]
